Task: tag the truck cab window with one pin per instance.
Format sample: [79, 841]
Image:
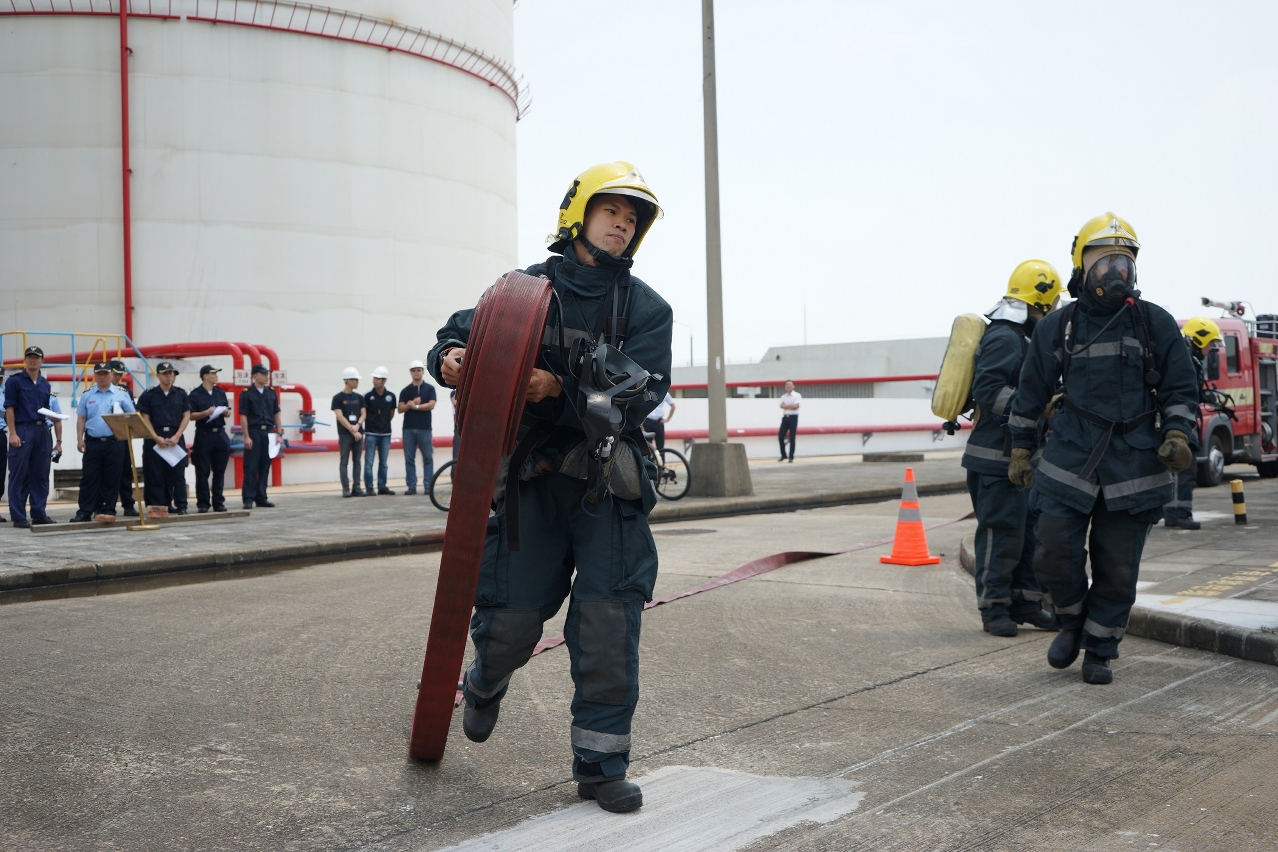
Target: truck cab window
[1213, 364]
[1231, 353]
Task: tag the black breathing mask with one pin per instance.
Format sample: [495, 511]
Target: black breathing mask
[1112, 280]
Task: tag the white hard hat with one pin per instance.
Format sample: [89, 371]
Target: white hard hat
[381, 373]
[417, 365]
[350, 373]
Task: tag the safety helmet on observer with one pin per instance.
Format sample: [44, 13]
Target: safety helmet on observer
[1201, 331]
[381, 373]
[416, 365]
[619, 178]
[1036, 283]
[350, 373]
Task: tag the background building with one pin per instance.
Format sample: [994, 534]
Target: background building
[331, 183]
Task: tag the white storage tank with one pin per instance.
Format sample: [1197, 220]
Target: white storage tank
[332, 183]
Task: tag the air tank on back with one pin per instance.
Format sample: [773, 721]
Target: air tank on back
[330, 182]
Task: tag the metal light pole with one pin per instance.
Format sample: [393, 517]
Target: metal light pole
[719, 469]
[716, 380]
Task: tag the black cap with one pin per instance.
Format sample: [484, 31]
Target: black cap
[102, 367]
[34, 350]
[260, 368]
[117, 366]
[166, 367]
[208, 368]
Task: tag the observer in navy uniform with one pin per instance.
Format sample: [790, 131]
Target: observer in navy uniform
[212, 448]
[1007, 592]
[1130, 402]
[168, 409]
[259, 418]
[608, 543]
[102, 454]
[31, 447]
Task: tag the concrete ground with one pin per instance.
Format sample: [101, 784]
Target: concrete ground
[311, 521]
[833, 704]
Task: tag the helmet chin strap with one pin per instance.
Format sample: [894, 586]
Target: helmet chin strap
[602, 257]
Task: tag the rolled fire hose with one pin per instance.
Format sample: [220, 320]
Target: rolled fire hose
[504, 340]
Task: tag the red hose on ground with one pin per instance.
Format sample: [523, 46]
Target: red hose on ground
[504, 338]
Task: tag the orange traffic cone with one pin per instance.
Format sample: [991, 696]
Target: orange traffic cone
[910, 545]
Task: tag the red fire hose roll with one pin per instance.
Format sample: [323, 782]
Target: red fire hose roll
[505, 336]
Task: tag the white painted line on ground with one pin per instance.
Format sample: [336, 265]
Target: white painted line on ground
[686, 809]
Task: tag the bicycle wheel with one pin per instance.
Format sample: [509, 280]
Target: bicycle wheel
[673, 476]
[441, 487]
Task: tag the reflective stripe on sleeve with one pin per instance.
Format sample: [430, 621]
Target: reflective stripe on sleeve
[1018, 422]
[990, 453]
[1179, 411]
[1003, 400]
[599, 741]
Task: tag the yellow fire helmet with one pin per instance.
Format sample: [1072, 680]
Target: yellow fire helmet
[1201, 331]
[1105, 230]
[1035, 283]
[617, 178]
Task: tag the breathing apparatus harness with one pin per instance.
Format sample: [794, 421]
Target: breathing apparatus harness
[608, 382]
[1151, 376]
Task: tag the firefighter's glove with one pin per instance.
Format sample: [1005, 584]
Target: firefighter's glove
[1175, 452]
[1019, 470]
[1053, 406]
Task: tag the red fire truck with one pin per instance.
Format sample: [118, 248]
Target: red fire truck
[1245, 372]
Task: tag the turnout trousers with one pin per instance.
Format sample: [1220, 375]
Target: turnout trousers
[29, 471]
[100, 475]
[615, 563]
[165, 484]
[1117, 540]
[1005, 581]
[210, 454]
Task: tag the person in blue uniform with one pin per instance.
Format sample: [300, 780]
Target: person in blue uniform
[595, 550]
[31, 448]
[167, 408]
[102, 454]
[212, 448]
[1118, 431]
[259, 418]
[118, 371]
[1007, 591]
[4, 441]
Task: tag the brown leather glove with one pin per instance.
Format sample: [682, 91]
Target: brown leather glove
[1019, 469]
[1175, 452]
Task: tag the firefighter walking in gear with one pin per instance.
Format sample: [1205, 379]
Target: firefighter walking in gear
[579, 485]
[1007, 591]
[1122, 422]
[1199, 334]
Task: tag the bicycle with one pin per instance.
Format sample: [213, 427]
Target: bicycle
[673, 472]
[672, 476]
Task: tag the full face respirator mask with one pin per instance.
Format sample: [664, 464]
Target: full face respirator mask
[1111, 278]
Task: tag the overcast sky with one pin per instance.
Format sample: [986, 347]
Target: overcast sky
[887, 165]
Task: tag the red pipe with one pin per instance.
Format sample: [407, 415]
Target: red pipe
[195, 350]
[272, 358]
[252, 351]
[855, 380]
[126, 169]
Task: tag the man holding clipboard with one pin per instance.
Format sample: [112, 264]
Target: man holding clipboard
[166, 408]
[27, 402]
[212, 449]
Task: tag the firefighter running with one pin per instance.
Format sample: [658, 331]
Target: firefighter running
[1128, 406]
[578, 488]
[1007, 591]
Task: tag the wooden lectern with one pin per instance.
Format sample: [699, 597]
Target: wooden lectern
[123, 426]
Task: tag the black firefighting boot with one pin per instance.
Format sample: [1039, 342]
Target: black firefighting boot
[1040, 618]
[1064, 649]
[618, 796]
[478, 722]
[1096, 669]
[1001, 625]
